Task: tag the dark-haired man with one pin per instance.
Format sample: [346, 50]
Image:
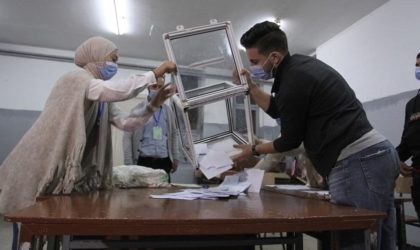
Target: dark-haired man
[317, 107]
[410, 143]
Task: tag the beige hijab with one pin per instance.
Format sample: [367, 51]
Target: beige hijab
[91, 54]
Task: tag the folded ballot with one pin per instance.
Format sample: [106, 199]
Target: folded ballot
[215, 163]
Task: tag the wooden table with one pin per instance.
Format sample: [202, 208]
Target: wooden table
[132, 212]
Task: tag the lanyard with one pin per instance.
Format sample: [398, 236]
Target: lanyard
[158, 119]
[100, 110]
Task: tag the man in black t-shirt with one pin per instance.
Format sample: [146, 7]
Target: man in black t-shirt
[410, 143]
[317, 107]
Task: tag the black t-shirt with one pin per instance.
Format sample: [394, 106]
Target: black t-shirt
[316, 106]
[410, 139]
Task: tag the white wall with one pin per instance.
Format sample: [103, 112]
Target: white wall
[377, 54]
[26, 82]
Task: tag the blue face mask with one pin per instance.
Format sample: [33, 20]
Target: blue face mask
[259, 72]
[151, 94]
[418, 73]
[109, 70]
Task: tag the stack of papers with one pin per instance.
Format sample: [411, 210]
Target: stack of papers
[231, 186]
[215, 163]
[202, 193]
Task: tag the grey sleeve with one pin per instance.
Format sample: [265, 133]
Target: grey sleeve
[175, 140]
[128, 148]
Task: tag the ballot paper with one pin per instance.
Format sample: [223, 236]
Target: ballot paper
[215, 163]
[291, 187]
[200, 148]
[226, 146]
[255, 177]
[202, 193]
[234, 183]
[232, 186]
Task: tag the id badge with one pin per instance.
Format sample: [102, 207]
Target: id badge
[157, 133]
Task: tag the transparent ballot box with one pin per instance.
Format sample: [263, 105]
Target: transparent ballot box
[212, 105]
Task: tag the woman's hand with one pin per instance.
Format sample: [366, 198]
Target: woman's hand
[163, 94]
[165, 67]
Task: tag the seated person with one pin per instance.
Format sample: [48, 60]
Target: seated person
[154, 145]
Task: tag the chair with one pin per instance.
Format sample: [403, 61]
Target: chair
[403, 190]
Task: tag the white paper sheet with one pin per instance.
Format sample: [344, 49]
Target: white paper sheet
[202, 193]
[215, 163]
[292, 187]
[213, 172]
[255, 177]
[226, 146]
[200, 148]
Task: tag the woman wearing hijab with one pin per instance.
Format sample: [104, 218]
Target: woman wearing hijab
[68, 149]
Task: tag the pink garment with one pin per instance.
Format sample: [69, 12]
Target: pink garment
[91, 54]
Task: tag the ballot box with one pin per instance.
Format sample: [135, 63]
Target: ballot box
[212, 105]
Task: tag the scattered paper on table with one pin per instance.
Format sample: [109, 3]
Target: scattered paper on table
[226, 146]
[215, 163]
[213, 172]
[233, 185]
[255, 177]
[202, 193]
[200, 148]
[292, 187]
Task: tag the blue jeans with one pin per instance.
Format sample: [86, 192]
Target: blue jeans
[366, 180]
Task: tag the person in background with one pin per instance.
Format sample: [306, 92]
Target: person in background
[68, 149]
[410, 143]
[317, 107]
[154, 145]
[302, 163]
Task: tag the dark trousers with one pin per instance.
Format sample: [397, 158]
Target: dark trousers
[415, 193]
[156, 163]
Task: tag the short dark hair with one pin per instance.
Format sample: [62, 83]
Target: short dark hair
[418, 56]
[266, 37]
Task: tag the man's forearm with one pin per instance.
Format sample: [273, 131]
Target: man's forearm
[259, 96]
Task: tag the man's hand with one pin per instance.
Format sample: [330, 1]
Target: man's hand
[163, 94]
[245, 154]
[252, 85]
[170, 67]
[405, 170]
